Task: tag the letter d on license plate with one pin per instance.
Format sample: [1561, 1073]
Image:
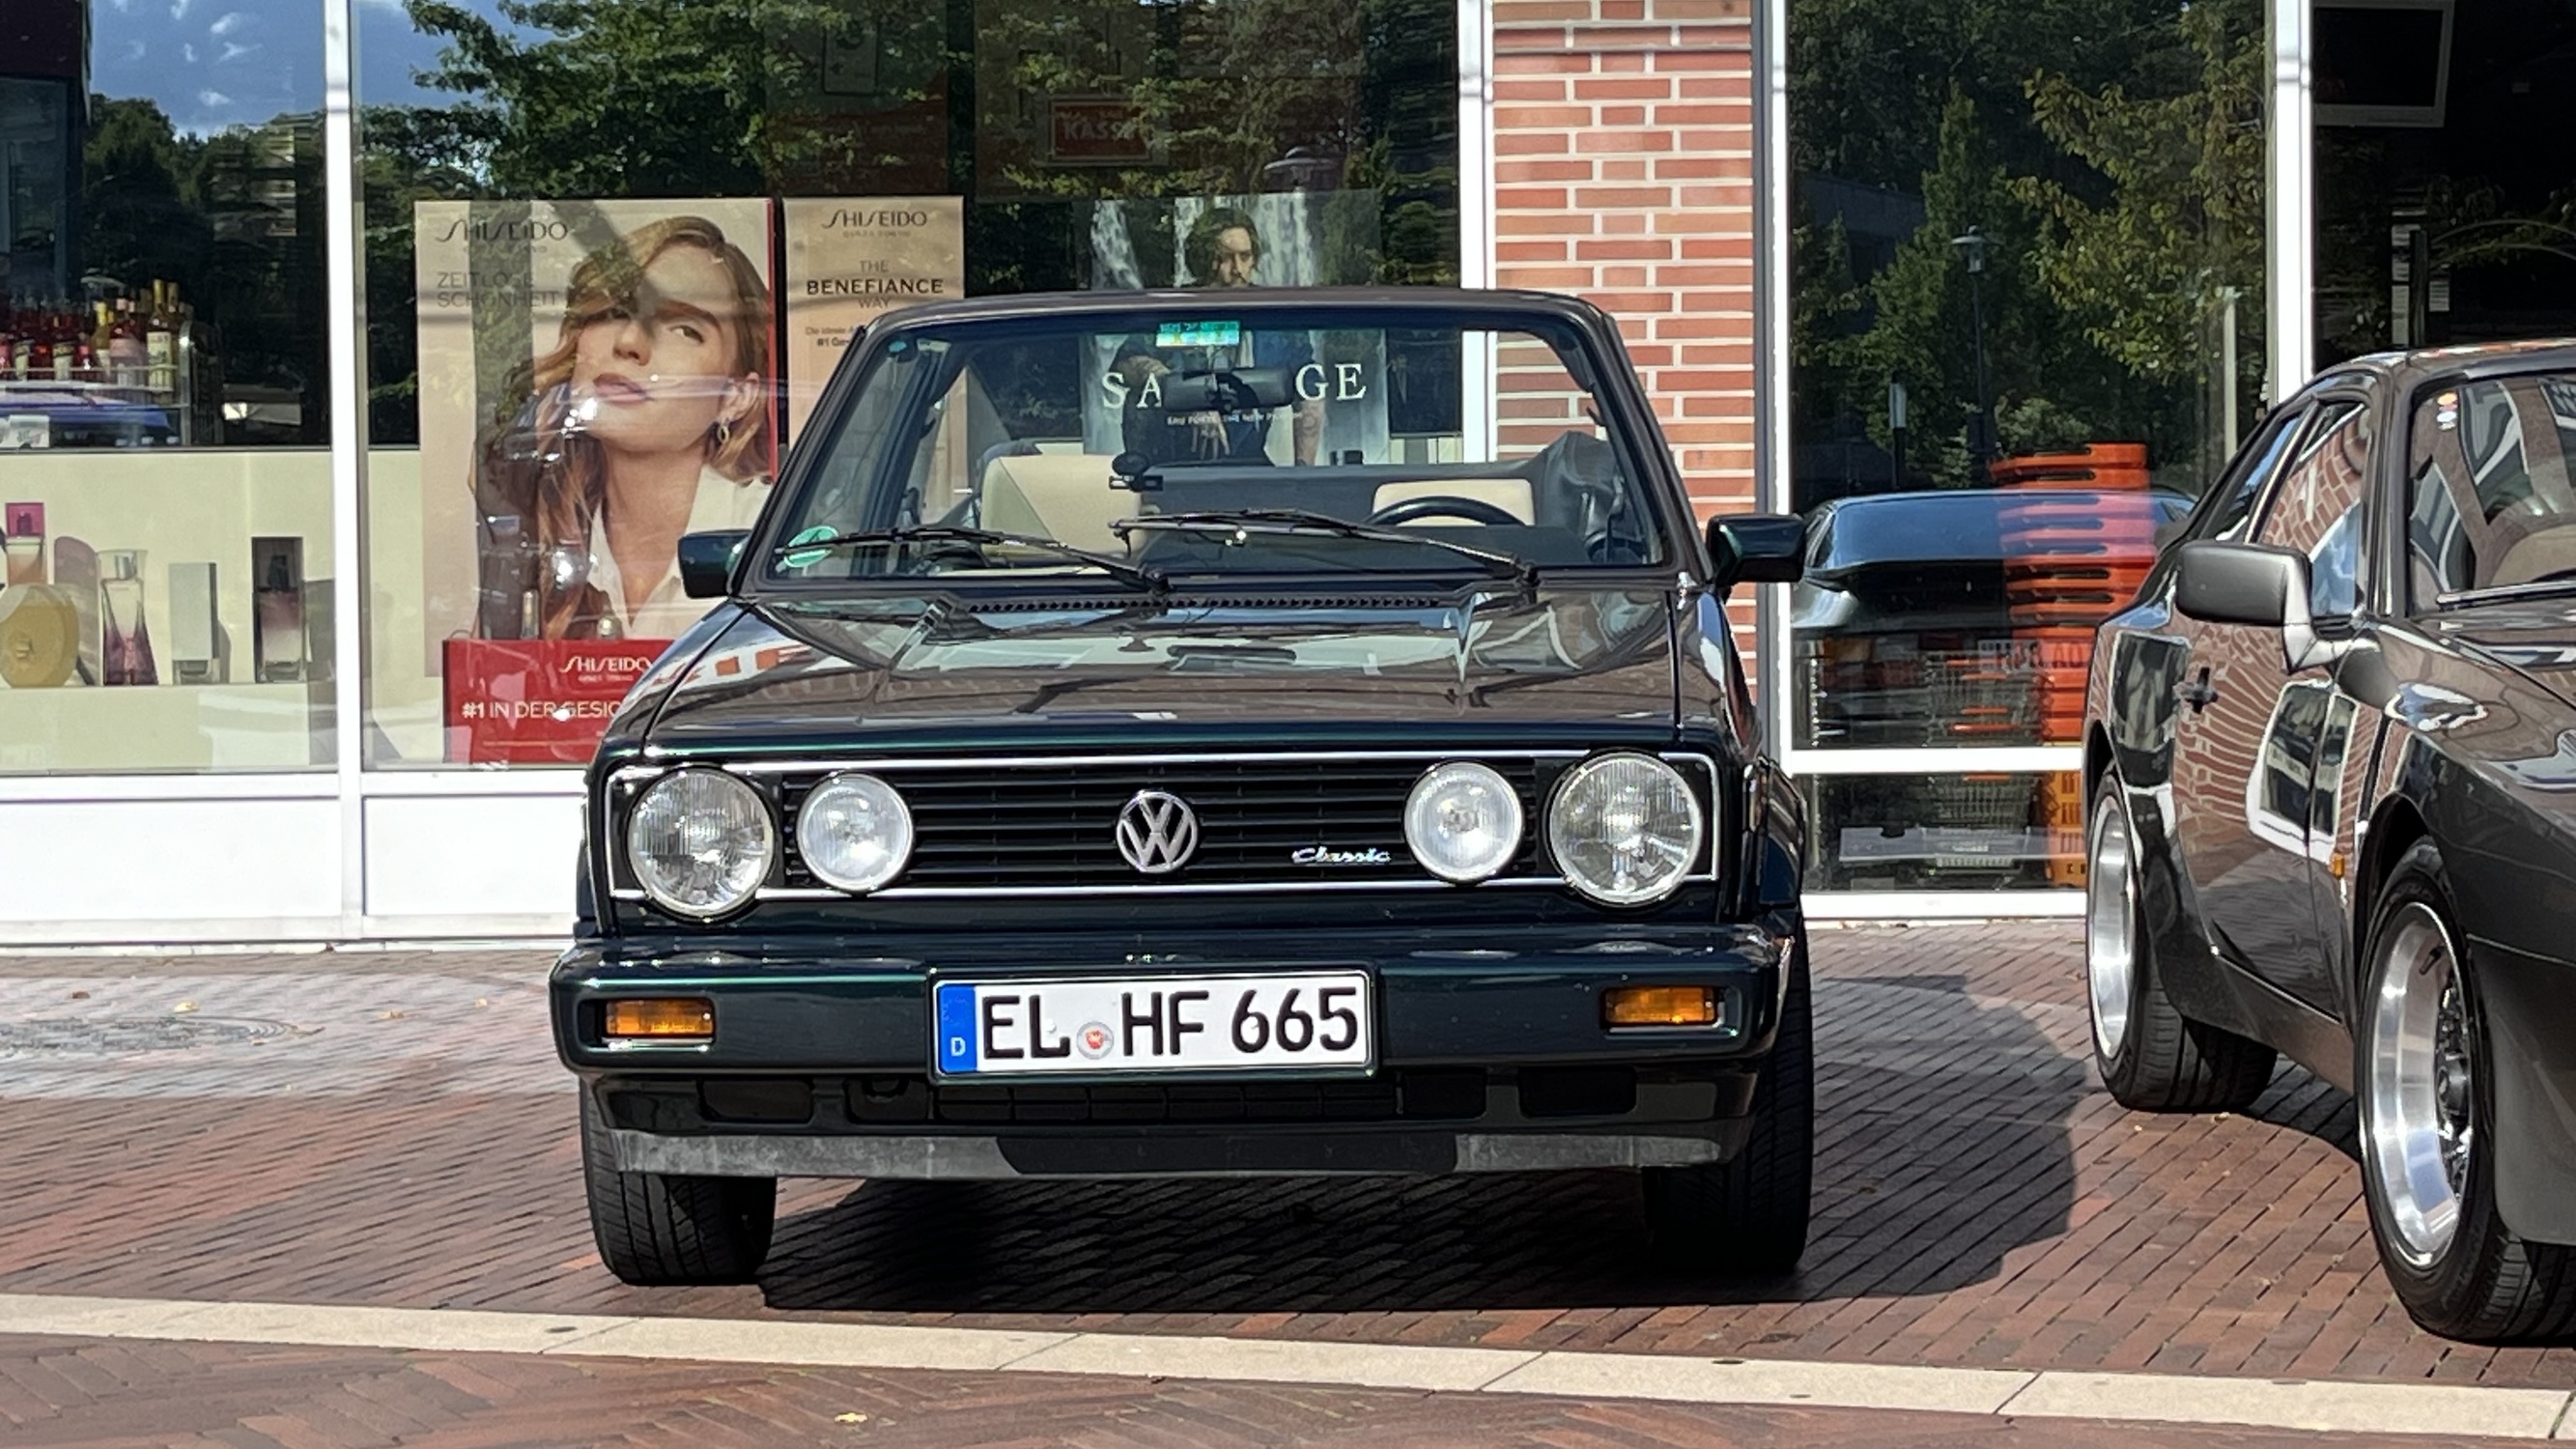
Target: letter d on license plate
[1155, 1024]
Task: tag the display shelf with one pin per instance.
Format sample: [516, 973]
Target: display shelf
[77, 728]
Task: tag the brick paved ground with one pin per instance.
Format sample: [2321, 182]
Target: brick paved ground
[64, 1392]
[392, 1130]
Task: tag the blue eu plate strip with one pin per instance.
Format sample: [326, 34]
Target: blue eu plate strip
[956, 1028]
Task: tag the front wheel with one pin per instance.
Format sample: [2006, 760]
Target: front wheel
[1748, 1215]
[2422, 1067]
[2151, 1056]
[657, 1230]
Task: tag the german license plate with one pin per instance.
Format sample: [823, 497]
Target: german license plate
[1159, 1024]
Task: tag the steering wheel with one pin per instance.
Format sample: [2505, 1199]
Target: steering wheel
[1442, 505]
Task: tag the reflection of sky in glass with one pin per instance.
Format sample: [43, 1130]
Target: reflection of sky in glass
[217, 63]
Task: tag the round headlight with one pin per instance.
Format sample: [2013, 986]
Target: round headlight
[1463, 822]
[1624, 828]
[700, 842]
[854, 832]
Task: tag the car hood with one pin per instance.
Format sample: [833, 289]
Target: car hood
[943, 668]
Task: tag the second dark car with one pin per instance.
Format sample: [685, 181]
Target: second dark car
[2332, 751]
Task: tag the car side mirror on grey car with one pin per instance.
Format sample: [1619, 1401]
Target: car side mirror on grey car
[706, 561]
[1756, 548]
[2255, 585]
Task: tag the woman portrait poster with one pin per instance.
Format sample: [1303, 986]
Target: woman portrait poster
[618, 362]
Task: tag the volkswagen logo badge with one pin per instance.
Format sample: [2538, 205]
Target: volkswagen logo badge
[1158, 832]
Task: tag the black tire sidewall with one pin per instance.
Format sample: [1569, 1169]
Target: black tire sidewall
[2458, 1277]
[1702, 1216]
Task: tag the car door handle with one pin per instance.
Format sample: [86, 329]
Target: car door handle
[2199, 693]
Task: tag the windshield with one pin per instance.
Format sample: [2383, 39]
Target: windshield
[1223, 442]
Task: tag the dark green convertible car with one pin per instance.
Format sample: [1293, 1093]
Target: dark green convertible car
[1201, 733]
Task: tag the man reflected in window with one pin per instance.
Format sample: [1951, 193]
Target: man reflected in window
[1223, 250]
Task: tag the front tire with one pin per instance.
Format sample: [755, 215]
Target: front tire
[656, 1230]
[2151, 1056]
[1748, 1215]
[2421, 1067]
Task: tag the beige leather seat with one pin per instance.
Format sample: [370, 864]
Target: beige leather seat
[1062, 496]
[1512, 495]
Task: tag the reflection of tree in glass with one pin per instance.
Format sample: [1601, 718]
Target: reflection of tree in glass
[235, 219]
[2112, 149]
[2184, 221]
[1225, 97]
[679, 98]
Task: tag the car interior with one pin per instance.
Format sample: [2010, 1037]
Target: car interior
[1000, 453]
[2493, 505]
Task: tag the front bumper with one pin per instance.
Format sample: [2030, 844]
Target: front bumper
[1490, 1057]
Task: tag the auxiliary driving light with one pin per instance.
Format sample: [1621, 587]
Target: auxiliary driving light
[1463, 821]
[661, 1018]
[1659, 1006]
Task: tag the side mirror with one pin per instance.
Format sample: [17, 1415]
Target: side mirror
[2265, 588]
[2240, 583]
[1757, 548]
[706, 561]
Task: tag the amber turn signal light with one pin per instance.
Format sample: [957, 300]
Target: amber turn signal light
[1659, 1006]
[661, 1018]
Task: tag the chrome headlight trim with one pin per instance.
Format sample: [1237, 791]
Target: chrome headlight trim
[757, 865]
[1563, 842]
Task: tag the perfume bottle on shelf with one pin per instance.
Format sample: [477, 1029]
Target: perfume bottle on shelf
[196, 643]
[126, 353]
[22, 526]
[277, 601]
[127, 646]
[161, 340]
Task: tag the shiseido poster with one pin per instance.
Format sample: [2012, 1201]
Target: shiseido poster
[1219, 243]
[849, 260]
[597, 379]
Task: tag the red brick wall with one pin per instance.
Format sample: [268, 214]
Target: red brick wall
[1623, 172]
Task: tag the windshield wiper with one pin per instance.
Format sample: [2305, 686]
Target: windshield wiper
[1300, 520]
[1150, 579]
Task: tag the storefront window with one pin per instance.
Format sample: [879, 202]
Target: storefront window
[2439, 223]
[2028, 264]
[2027, 332]
[164, 475]
[613, 252]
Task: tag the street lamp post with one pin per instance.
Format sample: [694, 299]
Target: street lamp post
[1981, 448]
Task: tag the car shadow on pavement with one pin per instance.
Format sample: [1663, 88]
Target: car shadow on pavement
[1943, 1144]
[2306, 1103]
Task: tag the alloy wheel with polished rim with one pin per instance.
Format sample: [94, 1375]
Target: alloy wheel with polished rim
[2110, 924]
[2420, 1133]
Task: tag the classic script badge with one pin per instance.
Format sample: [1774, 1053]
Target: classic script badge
[1327, 855]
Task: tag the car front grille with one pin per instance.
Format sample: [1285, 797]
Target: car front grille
[1265, 822]
[1056, 826]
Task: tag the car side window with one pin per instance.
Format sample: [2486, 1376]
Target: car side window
[2317, 509]
[2490, 500]
[2240, 491]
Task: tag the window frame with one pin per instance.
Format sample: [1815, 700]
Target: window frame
[2283, 429]
[1593, 360]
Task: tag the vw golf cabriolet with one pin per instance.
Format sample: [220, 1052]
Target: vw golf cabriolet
[1260, 732]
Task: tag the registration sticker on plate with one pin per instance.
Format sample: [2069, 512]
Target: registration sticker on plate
[1156, 1024]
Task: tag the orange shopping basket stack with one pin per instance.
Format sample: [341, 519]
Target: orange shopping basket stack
[2074, 554]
